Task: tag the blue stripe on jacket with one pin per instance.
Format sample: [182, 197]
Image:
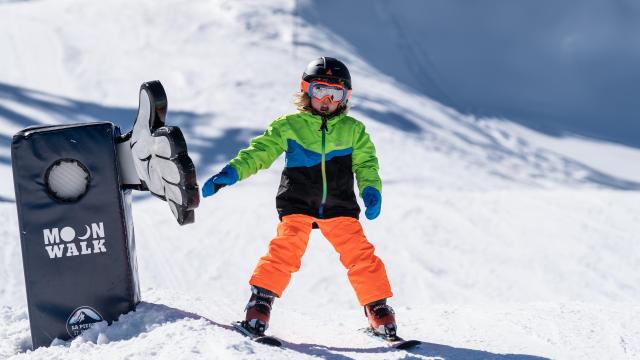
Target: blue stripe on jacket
[299, 156]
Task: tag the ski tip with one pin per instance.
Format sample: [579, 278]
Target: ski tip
[395, 342]
[268, 340]
[261, 339]
[406, 344]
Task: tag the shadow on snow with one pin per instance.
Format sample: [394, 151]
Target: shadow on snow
[148, 315]
[481, 147]
[215, 150]
[425, 349]
[45, 108]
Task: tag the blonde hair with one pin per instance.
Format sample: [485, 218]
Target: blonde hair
[302, 101]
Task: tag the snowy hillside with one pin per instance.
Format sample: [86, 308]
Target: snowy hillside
[557, 66]
[501, 242]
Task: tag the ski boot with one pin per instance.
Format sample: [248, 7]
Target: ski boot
[382, 318]
[258, 310]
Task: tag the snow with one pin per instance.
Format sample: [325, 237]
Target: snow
[501, 241]
[559, 67]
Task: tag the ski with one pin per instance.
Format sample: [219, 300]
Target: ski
[395, 342]
[262, 339]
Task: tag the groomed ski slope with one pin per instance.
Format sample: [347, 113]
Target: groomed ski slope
[500, 242]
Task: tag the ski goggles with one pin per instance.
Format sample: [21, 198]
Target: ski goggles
[320, 90]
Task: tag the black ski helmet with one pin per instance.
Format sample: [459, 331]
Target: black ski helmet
[328, 68]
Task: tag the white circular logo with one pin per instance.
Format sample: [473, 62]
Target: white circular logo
[67, 234]
[67, 180]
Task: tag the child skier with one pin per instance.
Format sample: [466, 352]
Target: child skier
[325, 148]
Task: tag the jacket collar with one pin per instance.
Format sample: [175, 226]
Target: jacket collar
[317, 119]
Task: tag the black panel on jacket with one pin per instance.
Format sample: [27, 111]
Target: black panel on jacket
[300, 190]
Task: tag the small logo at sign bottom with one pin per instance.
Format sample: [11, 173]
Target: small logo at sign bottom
[82, 319]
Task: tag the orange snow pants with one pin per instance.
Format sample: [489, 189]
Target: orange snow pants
[366, 271]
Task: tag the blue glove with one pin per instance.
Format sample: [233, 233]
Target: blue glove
[373, 201]
[227, 176]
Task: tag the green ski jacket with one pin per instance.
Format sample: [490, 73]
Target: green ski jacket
[322, 156]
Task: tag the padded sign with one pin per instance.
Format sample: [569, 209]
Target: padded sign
[73, 187]
[75, 226]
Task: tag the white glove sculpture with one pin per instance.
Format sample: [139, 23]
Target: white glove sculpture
[154, 157]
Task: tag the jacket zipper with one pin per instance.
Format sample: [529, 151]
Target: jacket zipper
[323, 128]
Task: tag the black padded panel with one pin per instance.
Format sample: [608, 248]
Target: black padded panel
[78, 256]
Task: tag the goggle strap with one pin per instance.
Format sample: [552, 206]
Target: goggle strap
[304, 87]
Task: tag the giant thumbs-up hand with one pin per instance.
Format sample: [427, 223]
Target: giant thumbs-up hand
[159, 156]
